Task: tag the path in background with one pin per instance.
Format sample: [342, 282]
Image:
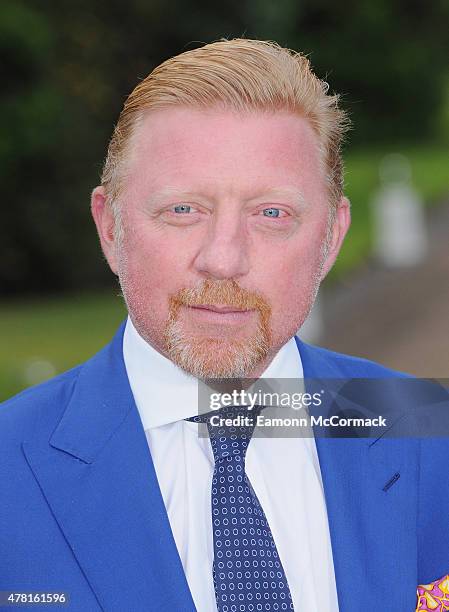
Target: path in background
[398, 317]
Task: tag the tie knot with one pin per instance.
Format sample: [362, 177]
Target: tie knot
[230, 430]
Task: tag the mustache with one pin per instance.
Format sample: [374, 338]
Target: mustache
[226, 293]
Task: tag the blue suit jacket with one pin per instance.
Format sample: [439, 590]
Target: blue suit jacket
[81, 510]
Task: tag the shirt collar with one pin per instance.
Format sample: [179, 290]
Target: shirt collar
[164, 393]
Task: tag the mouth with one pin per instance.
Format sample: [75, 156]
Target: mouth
[220, 309]
[213, 313]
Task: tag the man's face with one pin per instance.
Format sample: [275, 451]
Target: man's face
[224, 221]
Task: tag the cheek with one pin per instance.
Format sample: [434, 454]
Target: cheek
[150, 270]
[293, 285]
[289, 282]
[292, 266]
[152, 257]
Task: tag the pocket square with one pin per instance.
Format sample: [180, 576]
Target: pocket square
[433, 597]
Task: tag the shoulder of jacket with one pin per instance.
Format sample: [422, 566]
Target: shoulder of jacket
[30, 408]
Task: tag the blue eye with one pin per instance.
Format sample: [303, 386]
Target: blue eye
[182, 208]
[271, 212]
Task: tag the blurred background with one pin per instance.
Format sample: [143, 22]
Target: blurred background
[66, 69]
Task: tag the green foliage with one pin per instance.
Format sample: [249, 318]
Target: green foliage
[430, 178]
[56, 333]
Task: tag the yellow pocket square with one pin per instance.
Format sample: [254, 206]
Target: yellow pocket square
[433, 597]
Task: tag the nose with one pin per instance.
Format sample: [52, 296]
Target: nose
[224, 252]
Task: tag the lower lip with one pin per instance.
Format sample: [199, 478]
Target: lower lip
[212, 316]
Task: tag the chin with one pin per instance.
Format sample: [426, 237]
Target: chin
[207, 357]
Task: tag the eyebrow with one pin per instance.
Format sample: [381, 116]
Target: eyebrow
[283, 192]
[271, 193]
[170, 192]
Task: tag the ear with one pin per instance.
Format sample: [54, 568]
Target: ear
[340, 226]
[105, 222]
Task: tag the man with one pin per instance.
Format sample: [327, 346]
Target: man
[220, 210]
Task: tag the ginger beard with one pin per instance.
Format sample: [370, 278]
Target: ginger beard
[206, 354]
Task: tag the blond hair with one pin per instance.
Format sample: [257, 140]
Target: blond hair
[238, 74]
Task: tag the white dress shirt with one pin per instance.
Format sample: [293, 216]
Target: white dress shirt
[284, 473]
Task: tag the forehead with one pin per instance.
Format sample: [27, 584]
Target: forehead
[215, 150]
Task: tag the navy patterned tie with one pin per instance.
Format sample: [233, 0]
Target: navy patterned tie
[248, 574]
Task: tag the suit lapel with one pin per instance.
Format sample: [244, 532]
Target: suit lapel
[98, 478]
[372, 512]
